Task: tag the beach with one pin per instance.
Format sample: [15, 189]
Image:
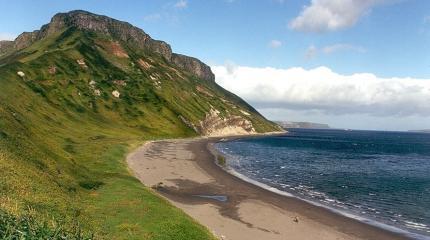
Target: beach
[184, 172]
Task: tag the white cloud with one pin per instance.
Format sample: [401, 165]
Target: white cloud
[7, 36]
[312, 51]
[327, 92]
[342, 47]
[181, 4]
[331, 15]
[275, 44]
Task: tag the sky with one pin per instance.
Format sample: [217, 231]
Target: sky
[361, 64]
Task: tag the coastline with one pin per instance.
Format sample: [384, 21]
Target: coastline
[232, 207]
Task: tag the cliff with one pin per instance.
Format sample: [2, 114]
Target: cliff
[6, 46]
[115, 29]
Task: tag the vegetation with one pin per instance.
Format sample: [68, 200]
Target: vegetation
[27, 227]
[221, 160]
[64, 137]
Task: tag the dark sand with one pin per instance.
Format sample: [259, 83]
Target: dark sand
[231, 207]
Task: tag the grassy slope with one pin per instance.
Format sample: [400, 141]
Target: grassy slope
[62, 148]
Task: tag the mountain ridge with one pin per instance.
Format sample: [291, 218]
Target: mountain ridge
[107, 36]
[84, 20]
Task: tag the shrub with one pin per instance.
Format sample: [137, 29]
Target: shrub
[221, 160]
[90, 184]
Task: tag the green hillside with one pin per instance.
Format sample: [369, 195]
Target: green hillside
[73, 102]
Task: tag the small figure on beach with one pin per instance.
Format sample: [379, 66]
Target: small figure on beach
[296, 219]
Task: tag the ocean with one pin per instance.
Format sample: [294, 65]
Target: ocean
[382, 178]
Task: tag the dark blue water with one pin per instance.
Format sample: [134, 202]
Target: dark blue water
[381, 176]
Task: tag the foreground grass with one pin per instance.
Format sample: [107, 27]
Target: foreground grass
[109, 204]
[28, 227]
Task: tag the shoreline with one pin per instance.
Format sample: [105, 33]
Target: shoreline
[194, 182]
[362, 219]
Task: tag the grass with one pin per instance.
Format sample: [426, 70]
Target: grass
[28, 227]
[62, 149]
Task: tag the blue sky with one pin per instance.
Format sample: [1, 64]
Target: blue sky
[392, 39]
[388, 39]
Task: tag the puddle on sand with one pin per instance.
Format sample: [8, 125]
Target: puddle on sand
[220, 198]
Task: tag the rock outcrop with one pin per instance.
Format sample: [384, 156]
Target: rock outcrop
[216, 125]
[118, 30]
[193, 65]
[5, 46]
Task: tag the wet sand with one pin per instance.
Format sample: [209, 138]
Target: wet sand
[184, 172]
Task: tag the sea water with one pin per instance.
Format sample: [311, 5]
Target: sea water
[380, 177]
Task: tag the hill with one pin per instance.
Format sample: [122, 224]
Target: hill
[76, 96]
[286, 125]
[420, 131]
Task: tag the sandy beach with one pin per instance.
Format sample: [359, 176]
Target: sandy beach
[184, 172]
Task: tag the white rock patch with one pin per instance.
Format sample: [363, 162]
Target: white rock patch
[245, 113]
[116, 93]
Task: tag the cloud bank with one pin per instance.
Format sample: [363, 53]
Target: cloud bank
[331, 15]
[327, 92]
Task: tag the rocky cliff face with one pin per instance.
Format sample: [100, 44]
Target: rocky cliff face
[5, 46]
[193, 65]
[119, 30]
[216, 125]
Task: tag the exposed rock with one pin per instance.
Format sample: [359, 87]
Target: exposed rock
[168, 75]
[204, 91]
[97, 92]
[119, 30]
[120, 82]
[215, 125]
[155, 80]
[118, 51]
[194, 66]
[116, 93]
[82, 63]
[25, 39]
[6, 46]
[144, 64]
[189, 124]
[116, 29]
[52, 70]
[92, 83]
[245, 113]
